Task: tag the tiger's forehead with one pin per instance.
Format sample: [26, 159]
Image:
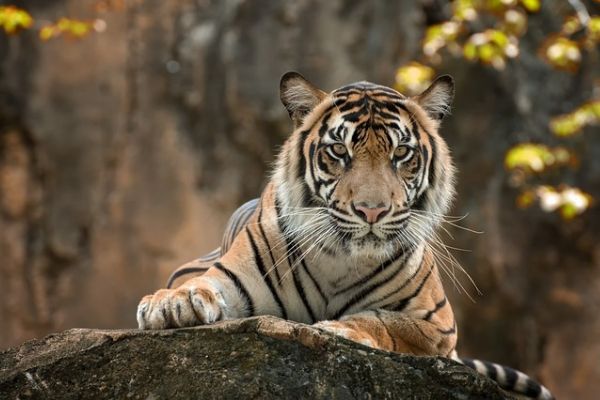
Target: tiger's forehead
[368, 89]
[364, 110]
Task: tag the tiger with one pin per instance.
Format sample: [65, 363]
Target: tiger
[340, 236]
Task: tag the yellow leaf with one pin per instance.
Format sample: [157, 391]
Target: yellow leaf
[562, 53]
[567, 200]
[67, 26]
[531, 5]
[47, 32]
[13, 19]
[498, 37]
[413, 78]
[571, 25]
[470, 51]
[515, 22]
[492, 47]
[594, 109]
[487, 52]
[575, 121]
[439, 36]
[464, 10]
[567, 211]
[79, 29]
[531, 157]
[499, 6]
[593, 29]
[565, 125]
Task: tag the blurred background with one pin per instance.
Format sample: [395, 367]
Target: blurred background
[131, 129]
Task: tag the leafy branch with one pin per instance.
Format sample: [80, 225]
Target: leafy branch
[489, 32]
[14, 20]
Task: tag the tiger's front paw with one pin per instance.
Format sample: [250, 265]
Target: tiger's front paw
[341, 329]
[173, 308]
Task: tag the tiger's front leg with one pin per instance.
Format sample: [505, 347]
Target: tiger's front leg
[394, 331]
[199, 301]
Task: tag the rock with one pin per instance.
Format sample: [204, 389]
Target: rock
[263, 358]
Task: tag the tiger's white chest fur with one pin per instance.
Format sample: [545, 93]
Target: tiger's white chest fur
[335, 279]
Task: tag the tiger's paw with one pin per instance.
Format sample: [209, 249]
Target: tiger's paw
[341, 329]
[181, 307]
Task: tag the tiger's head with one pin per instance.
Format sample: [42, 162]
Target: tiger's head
[365, 171]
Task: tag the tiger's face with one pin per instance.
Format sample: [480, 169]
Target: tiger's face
[371, 160]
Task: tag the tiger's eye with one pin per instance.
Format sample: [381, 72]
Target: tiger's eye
[402, 152]
[339, 149]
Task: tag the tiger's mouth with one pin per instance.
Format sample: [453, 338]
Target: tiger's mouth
[377, 238]
[370, 238]
[371, 233]
[370, 246]
[377, 232]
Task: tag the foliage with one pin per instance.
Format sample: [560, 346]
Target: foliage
[564, 50]
[73, 28]
[561, 52]
[529, 158]
[488, 32]
[492, 46]
[567, 200]
[413, 77]
[535, 158]
[587, 114]
[13, 20]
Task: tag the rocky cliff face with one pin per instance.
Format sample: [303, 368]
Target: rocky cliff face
[261, 358]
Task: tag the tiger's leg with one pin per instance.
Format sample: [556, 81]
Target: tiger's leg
[238, 285]
[217, 295]
[395, 331]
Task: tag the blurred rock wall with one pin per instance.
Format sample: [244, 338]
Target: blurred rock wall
[122, 155]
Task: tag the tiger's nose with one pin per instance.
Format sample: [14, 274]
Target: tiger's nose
[370, 214]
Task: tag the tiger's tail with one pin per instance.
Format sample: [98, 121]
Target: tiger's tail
[507, 378]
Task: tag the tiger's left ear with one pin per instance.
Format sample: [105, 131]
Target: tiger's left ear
[436, 99]
[299, 96]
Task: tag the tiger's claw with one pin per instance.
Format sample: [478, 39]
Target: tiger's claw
[181, 307]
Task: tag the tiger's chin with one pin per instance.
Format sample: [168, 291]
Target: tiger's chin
[371, 247]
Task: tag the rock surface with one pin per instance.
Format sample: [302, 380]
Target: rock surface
[262, 358]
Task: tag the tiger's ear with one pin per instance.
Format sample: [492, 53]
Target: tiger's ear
[299, 96]
[436, 99]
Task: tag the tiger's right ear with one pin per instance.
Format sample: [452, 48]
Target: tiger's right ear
[299, 96]
[436, 99]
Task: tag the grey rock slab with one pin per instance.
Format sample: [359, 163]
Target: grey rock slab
[261, 358]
